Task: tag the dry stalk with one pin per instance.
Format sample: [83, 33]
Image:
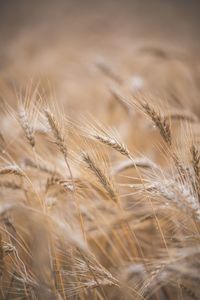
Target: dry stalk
[183, 173]
[60, 141]
[196, 161]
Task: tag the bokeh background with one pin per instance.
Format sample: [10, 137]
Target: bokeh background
[85, 57]
[59, 43]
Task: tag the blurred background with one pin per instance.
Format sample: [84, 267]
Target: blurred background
[60, 43]
[84, 57]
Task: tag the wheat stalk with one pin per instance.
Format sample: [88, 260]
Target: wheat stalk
[196, 162]
[120, 99]
[137, 162]
[113, 143]
[160, 122]
[196, 167]
[55, 127]
[28, 129]
[103, 179]
[40, 166]
[66, 185]
[1, 256]
[182, 116]
[11, 169]
[108, 71]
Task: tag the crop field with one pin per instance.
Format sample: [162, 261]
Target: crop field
[99, 150]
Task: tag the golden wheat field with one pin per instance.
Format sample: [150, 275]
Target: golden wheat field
[99, 150]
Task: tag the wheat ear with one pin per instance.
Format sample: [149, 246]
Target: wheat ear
[28, 129]
[10, 185]
[103, 179]
[137, 162]
[160, 122]
[108, 71]
[196, 167]
[11, 169]
[113, 143]
[60, 140]
[120, 100]
[1, 256]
